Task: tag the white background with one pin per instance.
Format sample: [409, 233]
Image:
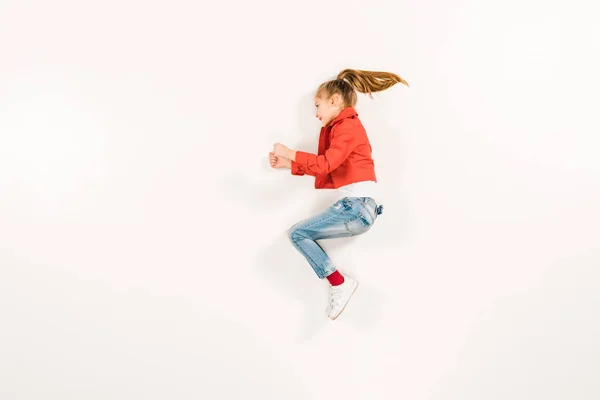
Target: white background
[143, 248]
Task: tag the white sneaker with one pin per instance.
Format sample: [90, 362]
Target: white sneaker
[339, 296]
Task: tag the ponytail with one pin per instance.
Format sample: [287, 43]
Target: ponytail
[370, 81]
[350, 81]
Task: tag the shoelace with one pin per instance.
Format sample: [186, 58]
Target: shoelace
[334, 295]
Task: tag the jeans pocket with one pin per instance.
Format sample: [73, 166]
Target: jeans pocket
[371, 208]
[361, 223]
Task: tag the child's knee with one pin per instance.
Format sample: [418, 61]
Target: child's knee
[294, 232]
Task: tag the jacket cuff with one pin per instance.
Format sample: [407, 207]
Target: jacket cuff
[302, 158]
[296, 170]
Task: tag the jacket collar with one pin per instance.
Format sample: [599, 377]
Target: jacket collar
[348, 112]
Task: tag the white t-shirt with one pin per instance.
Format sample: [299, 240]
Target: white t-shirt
[359, 189]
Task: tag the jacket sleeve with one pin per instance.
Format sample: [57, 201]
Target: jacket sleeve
[343, 142]
[298, 170]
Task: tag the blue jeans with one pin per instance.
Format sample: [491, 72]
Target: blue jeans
[349, 216]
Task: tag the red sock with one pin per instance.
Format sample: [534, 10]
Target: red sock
[335, 279]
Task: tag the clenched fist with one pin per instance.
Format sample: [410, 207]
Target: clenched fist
[279, 162]
[280, 150]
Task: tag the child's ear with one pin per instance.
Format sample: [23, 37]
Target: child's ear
[335, 99]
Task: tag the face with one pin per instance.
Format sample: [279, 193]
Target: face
[327, 109]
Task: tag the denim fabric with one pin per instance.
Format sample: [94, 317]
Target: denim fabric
[349, 216]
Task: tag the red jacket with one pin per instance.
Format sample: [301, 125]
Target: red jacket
[344, 154]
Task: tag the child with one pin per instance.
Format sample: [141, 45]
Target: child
[343, 163]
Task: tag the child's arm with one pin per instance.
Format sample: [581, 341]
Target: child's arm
[282, 162]
[343, 142]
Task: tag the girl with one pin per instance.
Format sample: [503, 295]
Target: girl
[343, 163]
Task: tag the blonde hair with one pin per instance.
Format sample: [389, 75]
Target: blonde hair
[349, 81]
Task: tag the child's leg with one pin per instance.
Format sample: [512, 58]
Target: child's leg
[347, 217]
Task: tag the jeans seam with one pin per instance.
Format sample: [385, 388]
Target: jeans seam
[308, 255]
[324, 219]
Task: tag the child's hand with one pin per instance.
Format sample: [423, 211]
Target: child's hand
[279, 162]
[280, 150]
